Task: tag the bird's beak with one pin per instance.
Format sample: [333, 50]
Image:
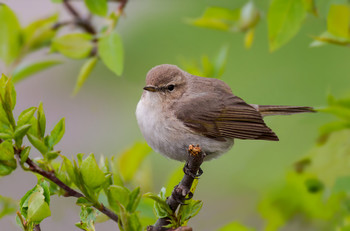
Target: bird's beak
[150, 88]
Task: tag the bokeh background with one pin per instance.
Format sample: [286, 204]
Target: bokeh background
[101, 118]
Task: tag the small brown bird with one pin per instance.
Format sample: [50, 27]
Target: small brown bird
[178, 109]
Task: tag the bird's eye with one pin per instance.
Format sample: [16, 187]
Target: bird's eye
[171, 87]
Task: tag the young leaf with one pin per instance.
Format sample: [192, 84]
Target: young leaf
[218, 18]
[134, 200]
[20, 132]
[111, 52]
[25, 70]
[25, 154]
[51, 155]
[84, 73]
[87, 219]
[92, 175]
[284, 20]
[7, 159]
[98, 7]
[75, 45]
[41, 120]
[69, 168]
[37, 143]
[161, 208]
[46, 190]
[10, 31]
[39, 33]
[56, 133]
[338, 20]
[82, 201]
[38, 209]
[26, 116]
[7, 206]
[118, 195]
[130, 161]
[189, 210]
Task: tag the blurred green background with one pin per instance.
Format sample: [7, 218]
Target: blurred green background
[101, 118]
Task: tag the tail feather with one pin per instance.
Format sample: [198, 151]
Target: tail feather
[267, 110]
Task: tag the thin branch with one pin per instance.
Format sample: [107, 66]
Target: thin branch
[178, 196]
[122, 6]
[69, 191]
[84, 23]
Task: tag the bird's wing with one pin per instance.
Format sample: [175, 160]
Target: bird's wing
[223, 116]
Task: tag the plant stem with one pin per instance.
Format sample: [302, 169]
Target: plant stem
[33, 167]
[178, 196]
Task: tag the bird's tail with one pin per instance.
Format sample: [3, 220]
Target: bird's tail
[267, 110]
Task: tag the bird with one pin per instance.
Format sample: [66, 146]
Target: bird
[178, 109]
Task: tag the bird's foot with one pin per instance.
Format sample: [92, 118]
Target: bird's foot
[188, 172]
[182, 193]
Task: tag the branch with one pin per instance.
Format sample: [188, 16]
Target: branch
[178, 196]
[69, 191]
[84, 23]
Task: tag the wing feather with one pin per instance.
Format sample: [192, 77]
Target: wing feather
[229, 117]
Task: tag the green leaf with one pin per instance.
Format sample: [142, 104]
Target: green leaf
[39, 33]
[134, 200]
[7, 158]
[249, 16]
[129, 162]
[56, 133]
[98, 7]
[46, 189]
[339, 111]
[92, 175]
[329, 38]
[26, 116]
[8, 99]
[7, 206]
[84, 73]
[87, 219]
[51, 155]
[20, 132]
[84, 201]
[69, 168]
[161, 208]
[38, 209]
[74, 45]
[235, 226]
[37, 143]
[284, 20]
[25, 70]
[111, 51]
[189, 210]
[10, 31]
[41, 120]
[118, 195]
[218, 18]
[25, 154]
[310, 6]
[338, 20]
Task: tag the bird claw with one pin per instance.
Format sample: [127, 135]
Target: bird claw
[191, 174]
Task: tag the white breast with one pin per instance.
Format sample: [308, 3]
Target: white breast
[169, 136]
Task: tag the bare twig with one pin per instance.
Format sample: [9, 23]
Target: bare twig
[178, 196]
[69, 191]
[84, 23]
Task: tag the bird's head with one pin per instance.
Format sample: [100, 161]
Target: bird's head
[166, 81]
